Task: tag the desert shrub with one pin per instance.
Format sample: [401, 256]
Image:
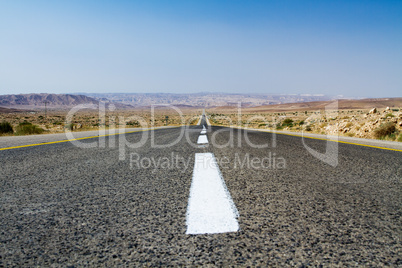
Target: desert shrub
[384, 130]
[279, 126]
[389, 115]
[400, 137]
[392, 136]
[26, 128]
[5, 127]
[287, 122]
[301, 123]
[308, 128]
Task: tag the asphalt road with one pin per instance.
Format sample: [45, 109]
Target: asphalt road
[62, 205]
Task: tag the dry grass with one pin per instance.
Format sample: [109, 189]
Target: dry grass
[385, 130]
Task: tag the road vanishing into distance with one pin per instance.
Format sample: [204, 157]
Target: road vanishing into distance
[64, 205]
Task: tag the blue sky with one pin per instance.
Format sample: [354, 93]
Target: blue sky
[350, 48]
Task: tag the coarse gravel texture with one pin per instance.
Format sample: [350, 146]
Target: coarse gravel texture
[310, 213]
[66, 206]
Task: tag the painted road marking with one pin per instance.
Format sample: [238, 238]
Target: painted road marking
[210, 207]
[202, 139]
[203, 132]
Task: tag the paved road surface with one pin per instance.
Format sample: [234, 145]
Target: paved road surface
[63, 205]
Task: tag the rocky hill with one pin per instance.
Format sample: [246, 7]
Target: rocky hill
[52, 101]
[207, 99]
[10, 110]
[342, 104]
[144, 100]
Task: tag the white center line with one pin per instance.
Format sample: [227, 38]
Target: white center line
[204, 130]
[210, 207]
[202, 139]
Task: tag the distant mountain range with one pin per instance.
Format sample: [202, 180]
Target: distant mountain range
[138, 100]
[52, 101]
[205, 99]
[342, 104]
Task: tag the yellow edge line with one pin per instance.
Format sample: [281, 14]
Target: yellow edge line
[84, 138]
[295, 135]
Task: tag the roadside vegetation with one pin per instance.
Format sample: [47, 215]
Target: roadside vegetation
[387, 131]
[385, 124]
[27, 123]
[6, 128]
[27, 128]
[287, 122]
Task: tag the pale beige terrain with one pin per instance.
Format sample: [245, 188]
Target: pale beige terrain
[56, 121]
[352, 118]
